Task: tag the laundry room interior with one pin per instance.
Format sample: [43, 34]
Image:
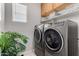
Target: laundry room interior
[39, 29]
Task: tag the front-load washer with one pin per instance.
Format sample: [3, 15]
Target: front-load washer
[61, 39]
[38, 42]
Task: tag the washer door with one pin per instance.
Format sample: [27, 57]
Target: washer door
[53, 40]
[37, 35]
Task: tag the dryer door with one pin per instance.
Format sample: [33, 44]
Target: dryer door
[37, 35]
[53, 40]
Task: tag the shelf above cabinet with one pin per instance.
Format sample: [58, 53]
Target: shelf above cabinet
[47, 19]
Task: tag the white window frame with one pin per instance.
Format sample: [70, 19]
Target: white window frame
[1, 5]
[19, 10]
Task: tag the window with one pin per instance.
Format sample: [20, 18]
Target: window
[19, 12]
[0, 10]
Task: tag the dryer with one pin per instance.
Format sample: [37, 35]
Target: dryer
[61, 39]
[38, 42]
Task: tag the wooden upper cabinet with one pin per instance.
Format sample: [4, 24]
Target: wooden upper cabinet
[47, 8]
[56, 5]
[60, 6]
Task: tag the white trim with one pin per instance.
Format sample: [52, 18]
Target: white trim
[19, 12]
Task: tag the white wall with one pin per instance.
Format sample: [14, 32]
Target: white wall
[2, 18]
[34, 16]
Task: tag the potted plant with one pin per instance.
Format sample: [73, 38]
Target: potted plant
[10, 44]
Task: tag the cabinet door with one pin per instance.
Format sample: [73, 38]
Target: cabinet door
[56, 5]
[60, 6]
[46, 9]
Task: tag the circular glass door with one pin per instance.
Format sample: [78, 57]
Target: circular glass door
[53, 40]
[37, 35]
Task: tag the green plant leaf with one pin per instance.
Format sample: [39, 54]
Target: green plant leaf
[9, 46]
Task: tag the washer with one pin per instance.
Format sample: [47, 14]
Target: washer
[38, 42]
[61, 39]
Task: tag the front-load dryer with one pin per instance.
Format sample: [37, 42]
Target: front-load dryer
[38, 42]
[61, 39]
